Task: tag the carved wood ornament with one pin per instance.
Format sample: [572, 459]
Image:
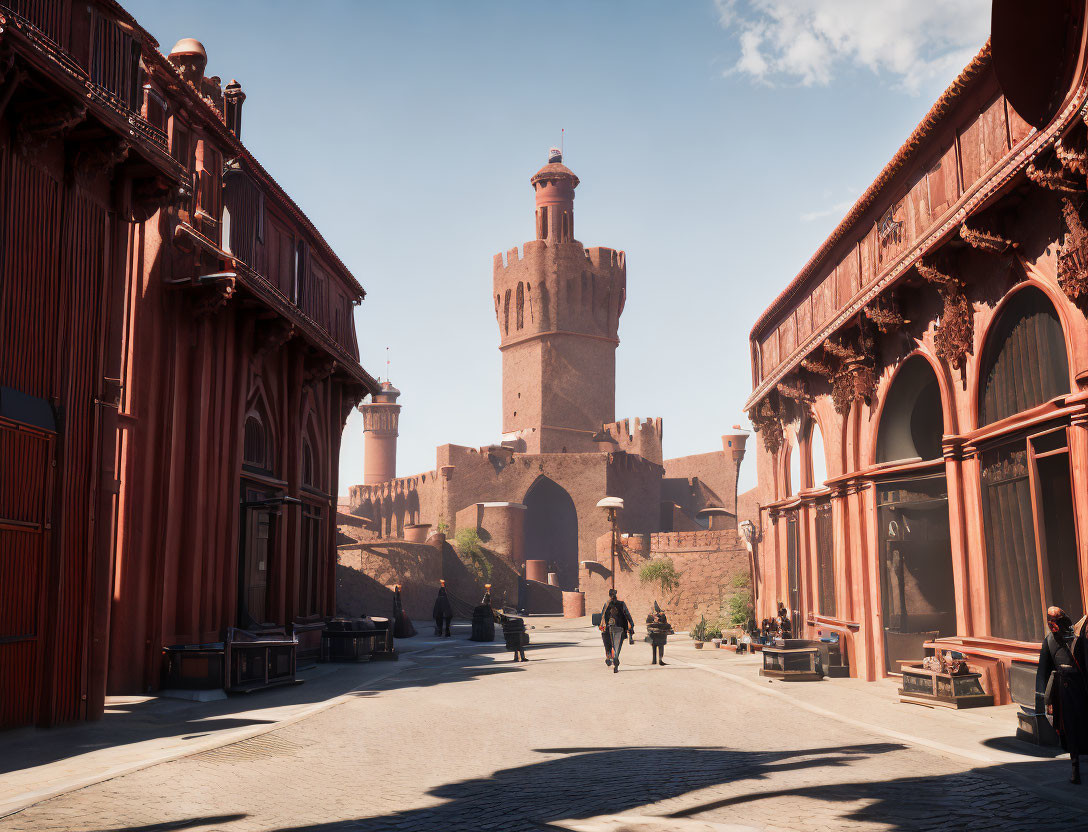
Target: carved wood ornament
[955, 334]
[767, 423]
[1073, 255]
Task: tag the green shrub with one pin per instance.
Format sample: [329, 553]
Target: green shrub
[471, 553]
[736, 610]
[661, 572]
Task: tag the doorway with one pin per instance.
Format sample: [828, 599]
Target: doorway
[256, 552]
[917, 591]
[551, 530]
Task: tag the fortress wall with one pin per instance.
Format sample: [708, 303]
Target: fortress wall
[707, 561]
[644, 439]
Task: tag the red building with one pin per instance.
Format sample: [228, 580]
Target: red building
[177, 356]
[932, 358]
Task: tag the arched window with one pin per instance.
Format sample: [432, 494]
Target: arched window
[308, 477]
[911, 421]
[255, 449]
[818, 456]
[521, 305]
[1024, 363]
[795, 481]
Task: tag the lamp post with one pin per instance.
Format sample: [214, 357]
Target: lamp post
[612, 505]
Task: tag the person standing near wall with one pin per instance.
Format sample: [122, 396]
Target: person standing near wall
[442, 612]
[617, 624]
[1061, 675]
[658, 628]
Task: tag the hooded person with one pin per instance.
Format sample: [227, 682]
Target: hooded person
[616, 625]
[483, 618]
[442, 612]
[658, 629]
[1061, 675]
[402, 624]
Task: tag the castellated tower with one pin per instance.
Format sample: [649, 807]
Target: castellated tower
[381, 418]
[558, 306]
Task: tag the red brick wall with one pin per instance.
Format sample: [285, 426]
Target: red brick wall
[708, 563]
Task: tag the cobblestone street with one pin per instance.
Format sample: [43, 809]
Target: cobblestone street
[464, 739]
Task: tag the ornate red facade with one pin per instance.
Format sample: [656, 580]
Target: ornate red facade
[934, 353]
[176, 342]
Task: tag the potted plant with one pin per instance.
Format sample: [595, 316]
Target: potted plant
[714, 636]
[698, 633]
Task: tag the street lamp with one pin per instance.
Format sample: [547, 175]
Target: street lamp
[612, 505]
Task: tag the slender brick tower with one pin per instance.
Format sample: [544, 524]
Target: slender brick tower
[381, 418]
[558, 306]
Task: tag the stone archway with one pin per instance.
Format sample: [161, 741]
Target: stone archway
[551, 530]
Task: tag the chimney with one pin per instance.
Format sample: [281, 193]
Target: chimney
[233, 98]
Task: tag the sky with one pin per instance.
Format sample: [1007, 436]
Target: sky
[718, 143]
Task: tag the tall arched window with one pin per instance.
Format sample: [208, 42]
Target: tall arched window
[256, 452]
[1024, 363]
[794, 468]
[308, 476]
[818, 456]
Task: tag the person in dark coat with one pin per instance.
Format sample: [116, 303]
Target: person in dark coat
[617, 624]
[658, 628]
[483, 619]
[1061, 675]
[442, 613]
[402, 624]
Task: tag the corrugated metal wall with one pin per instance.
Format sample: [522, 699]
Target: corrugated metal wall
[53, 256]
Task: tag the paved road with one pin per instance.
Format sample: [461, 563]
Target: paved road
[467, 740]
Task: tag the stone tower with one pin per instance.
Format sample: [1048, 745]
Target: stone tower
[558, 306]
[381, 418]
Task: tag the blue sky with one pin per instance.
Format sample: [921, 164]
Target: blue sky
[718, 143]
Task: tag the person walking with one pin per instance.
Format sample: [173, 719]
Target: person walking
[658, 628]
[1061, 675]
[442, 612]
[617, 624]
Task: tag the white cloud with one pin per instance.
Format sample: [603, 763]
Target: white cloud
[838, 209]
[807, 41]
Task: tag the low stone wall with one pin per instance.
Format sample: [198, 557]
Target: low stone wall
[366, 573]
[708, 563]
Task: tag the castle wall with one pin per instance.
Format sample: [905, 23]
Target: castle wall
[705, 480]
[708, 563]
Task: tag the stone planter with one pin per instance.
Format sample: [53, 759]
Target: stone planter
[417, 532]
[717, 642]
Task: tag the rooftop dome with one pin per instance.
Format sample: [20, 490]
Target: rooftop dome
[555, 169]
[189, 46]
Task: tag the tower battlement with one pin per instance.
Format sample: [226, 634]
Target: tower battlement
[644, 440]
[559, 287]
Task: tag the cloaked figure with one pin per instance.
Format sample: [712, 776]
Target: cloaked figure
[402, 624]
[483, 619]
[442, 612]
[1061, 675]
[616, 625]
[659, 629]
[785, 626]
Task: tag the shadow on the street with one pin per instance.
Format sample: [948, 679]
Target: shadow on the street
[590, 782]
[128, 723]
[172, 826]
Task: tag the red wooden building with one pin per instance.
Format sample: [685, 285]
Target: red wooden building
[177, 356]
[921, 387]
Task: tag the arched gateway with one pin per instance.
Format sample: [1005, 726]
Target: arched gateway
[551, 530]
